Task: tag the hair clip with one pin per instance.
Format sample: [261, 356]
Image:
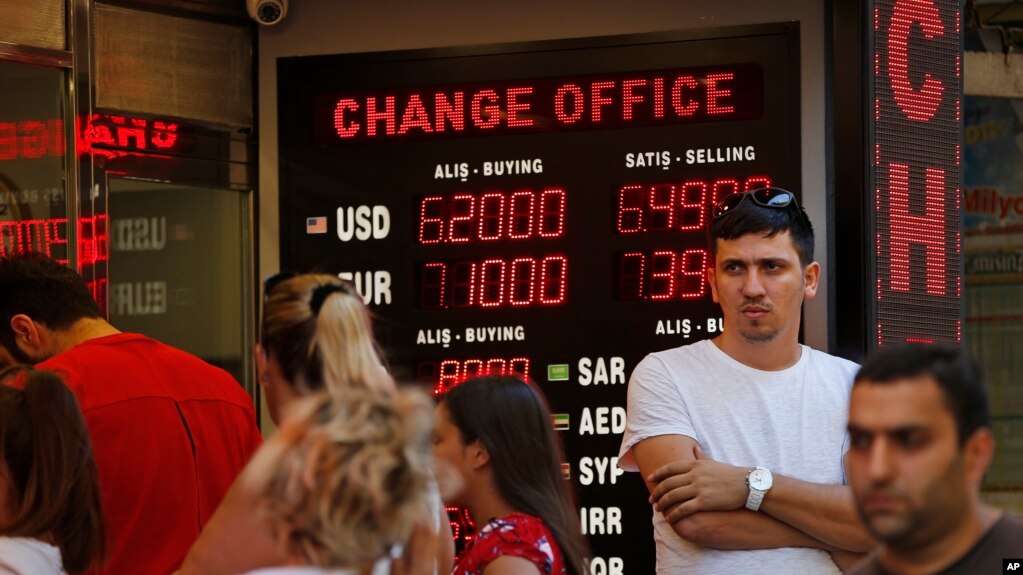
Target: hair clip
[320, 295]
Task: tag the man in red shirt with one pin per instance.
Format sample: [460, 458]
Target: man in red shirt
[170, 432]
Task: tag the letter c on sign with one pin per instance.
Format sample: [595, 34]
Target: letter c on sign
[922, 105]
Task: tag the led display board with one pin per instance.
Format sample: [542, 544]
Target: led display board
[916, 130]
[538, 208]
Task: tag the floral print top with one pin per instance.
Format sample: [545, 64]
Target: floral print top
[517, 534]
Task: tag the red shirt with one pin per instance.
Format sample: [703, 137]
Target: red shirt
[519, 535]
[170, 433]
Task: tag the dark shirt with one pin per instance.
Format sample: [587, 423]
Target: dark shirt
[1004, 539]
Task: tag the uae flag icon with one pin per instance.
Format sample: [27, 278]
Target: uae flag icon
[560, 421]
[316, 225]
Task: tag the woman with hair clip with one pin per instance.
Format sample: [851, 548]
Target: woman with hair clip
[495, 434]
[345, 479]
[51, 519]
[316, 335]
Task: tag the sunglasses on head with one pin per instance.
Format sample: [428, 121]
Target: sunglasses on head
[767, 197]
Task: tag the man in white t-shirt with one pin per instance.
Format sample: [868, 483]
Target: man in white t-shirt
[740, 439]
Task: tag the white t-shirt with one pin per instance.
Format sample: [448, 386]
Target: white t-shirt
[790, 421]
[27, 556]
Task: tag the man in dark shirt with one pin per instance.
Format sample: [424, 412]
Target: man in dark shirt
[920, 443]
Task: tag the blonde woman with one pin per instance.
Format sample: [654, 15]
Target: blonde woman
[344, 480]
[316, 335]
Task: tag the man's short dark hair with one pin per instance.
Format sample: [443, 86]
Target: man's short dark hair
[959, 376]
[750, 217]
[49, 293]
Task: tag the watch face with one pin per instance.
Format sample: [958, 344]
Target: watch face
[760, 479]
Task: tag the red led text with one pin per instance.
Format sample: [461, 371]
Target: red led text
[47, 237]
[662, 275]
[683, 206]
[655, 97]
[494, 283]
[519, 215]
[451, 372]
[37, 139]
[917, 130]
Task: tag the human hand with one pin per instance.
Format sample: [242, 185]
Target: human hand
[420, 552]
[847, 560]
[700, 484]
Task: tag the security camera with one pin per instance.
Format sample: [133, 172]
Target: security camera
[267, 12]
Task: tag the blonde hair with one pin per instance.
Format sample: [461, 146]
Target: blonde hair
[321, 334]
[346, 476]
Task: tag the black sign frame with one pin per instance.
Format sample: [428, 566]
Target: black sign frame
[593, 340]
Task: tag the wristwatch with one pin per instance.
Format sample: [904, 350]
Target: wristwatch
[759, 481]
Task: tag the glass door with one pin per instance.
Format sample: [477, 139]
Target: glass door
[180, 269]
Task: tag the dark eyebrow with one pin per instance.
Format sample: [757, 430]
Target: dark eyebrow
[888, 431]
[852, 428]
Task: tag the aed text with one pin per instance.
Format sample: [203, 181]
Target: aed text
[602, 421]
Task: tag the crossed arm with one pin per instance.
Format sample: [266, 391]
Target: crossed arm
[704, 502]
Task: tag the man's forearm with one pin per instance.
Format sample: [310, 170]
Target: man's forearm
[825, 512]
[742, 529]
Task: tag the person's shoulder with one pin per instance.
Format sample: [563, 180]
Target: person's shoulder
[22, 555]
[1013, 524]
[680, 353]
[826, 361]
[180, 357]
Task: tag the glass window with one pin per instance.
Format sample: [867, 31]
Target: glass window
[993, 254]
[33, 208]
[179, 268]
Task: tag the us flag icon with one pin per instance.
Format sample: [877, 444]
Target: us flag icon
[316, 225]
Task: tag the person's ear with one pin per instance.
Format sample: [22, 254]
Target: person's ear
[711, 277]
[478, 454]
[978, 452]
[262, 365]
[811, 277]
[28, 336]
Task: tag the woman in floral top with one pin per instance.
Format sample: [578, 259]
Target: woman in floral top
[496, 447]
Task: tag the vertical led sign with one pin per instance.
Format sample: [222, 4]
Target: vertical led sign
[915, 130]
